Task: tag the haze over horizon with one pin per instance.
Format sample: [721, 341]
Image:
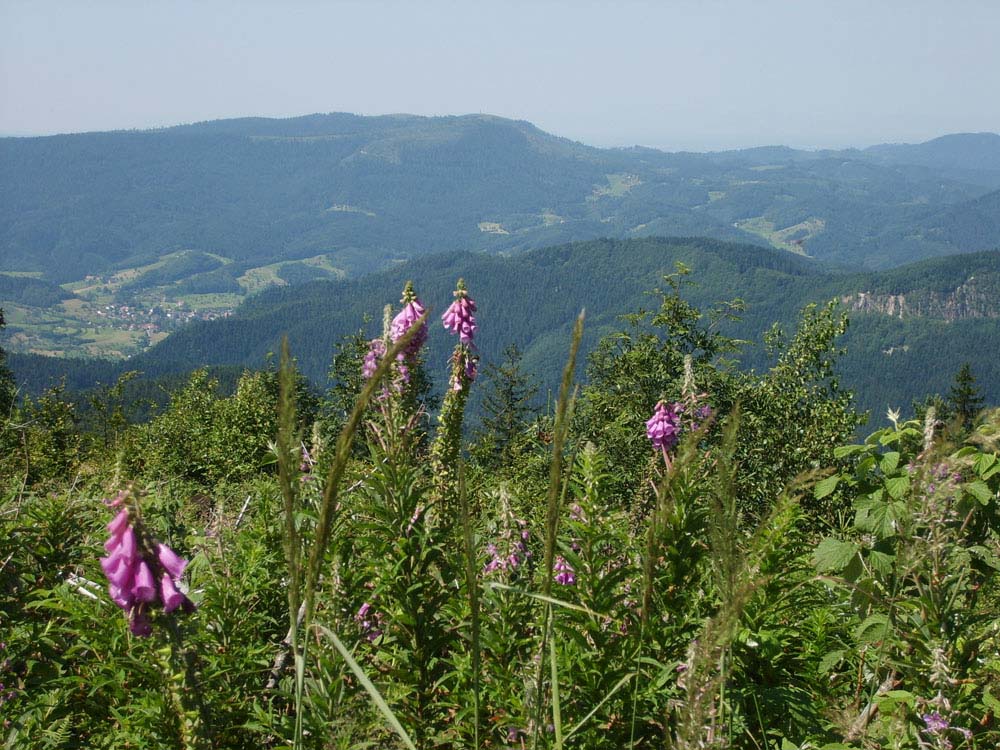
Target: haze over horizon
[691, 76]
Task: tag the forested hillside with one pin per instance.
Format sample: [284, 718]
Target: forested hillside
[366, 191]
[910, 327]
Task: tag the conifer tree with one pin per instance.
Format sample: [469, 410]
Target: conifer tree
[964, 398]
[507, 405]
[7, 388]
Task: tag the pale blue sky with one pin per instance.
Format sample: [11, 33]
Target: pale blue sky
[669, 74]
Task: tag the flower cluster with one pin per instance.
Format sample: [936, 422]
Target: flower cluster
[668, 421]
[459, 318]
[512, 551]
[376, 350]
[565, 575]
[142, 573]
[413, 310]
[939, 728]
[664, 428]
[369, 621]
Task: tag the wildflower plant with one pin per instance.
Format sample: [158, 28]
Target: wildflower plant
[609, 585]
[143, 574]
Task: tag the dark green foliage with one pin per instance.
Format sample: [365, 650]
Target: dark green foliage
[41, 441]
[507, 409]
[889, 361]
[964, 398]
[682, 599]
[7, 385]
[205, 438]
[795, 414]
[31, 292]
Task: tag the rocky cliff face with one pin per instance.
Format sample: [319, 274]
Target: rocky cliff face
[976, 298]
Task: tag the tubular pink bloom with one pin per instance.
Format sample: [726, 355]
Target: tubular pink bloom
[121, 597]
[172, 598]
[413, 310]
[119, 570]
[144, 589]
[126, 545]
[459, 318]
[173, 563]
[118, 523]
[663, 428]
[565, 575]
[117, 500]
[139, 579]
[376, 350]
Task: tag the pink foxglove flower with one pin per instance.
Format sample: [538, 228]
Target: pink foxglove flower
[565, 575]
[376, 350]
[171, 597]
[459, 318]
[664, 427]
[170, 560]
[413, 310]
[142, 573]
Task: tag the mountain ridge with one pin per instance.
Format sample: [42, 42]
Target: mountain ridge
[258, 190]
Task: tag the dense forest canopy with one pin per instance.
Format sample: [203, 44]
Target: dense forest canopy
[893, 354]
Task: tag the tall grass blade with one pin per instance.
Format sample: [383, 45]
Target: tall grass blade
[286, 478]
[369, 686]
[472, 585]
[560, 431]
[328, 505]
[580, 724]
[547, 599]
[556, 707]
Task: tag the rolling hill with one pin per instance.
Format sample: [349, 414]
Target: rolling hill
[910, 327]
[367, 191]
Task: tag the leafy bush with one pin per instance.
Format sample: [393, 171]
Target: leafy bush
[751, 582]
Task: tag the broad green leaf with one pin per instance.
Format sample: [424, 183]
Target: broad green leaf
[846, 450]
[889, 462]
[825, 486]
[897, 486]
[875, 628]
[881, 562]
[979, 490]
[830, 660]
[833, 554]
[983, 462]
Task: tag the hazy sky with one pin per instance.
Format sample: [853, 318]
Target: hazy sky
[670, 74]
